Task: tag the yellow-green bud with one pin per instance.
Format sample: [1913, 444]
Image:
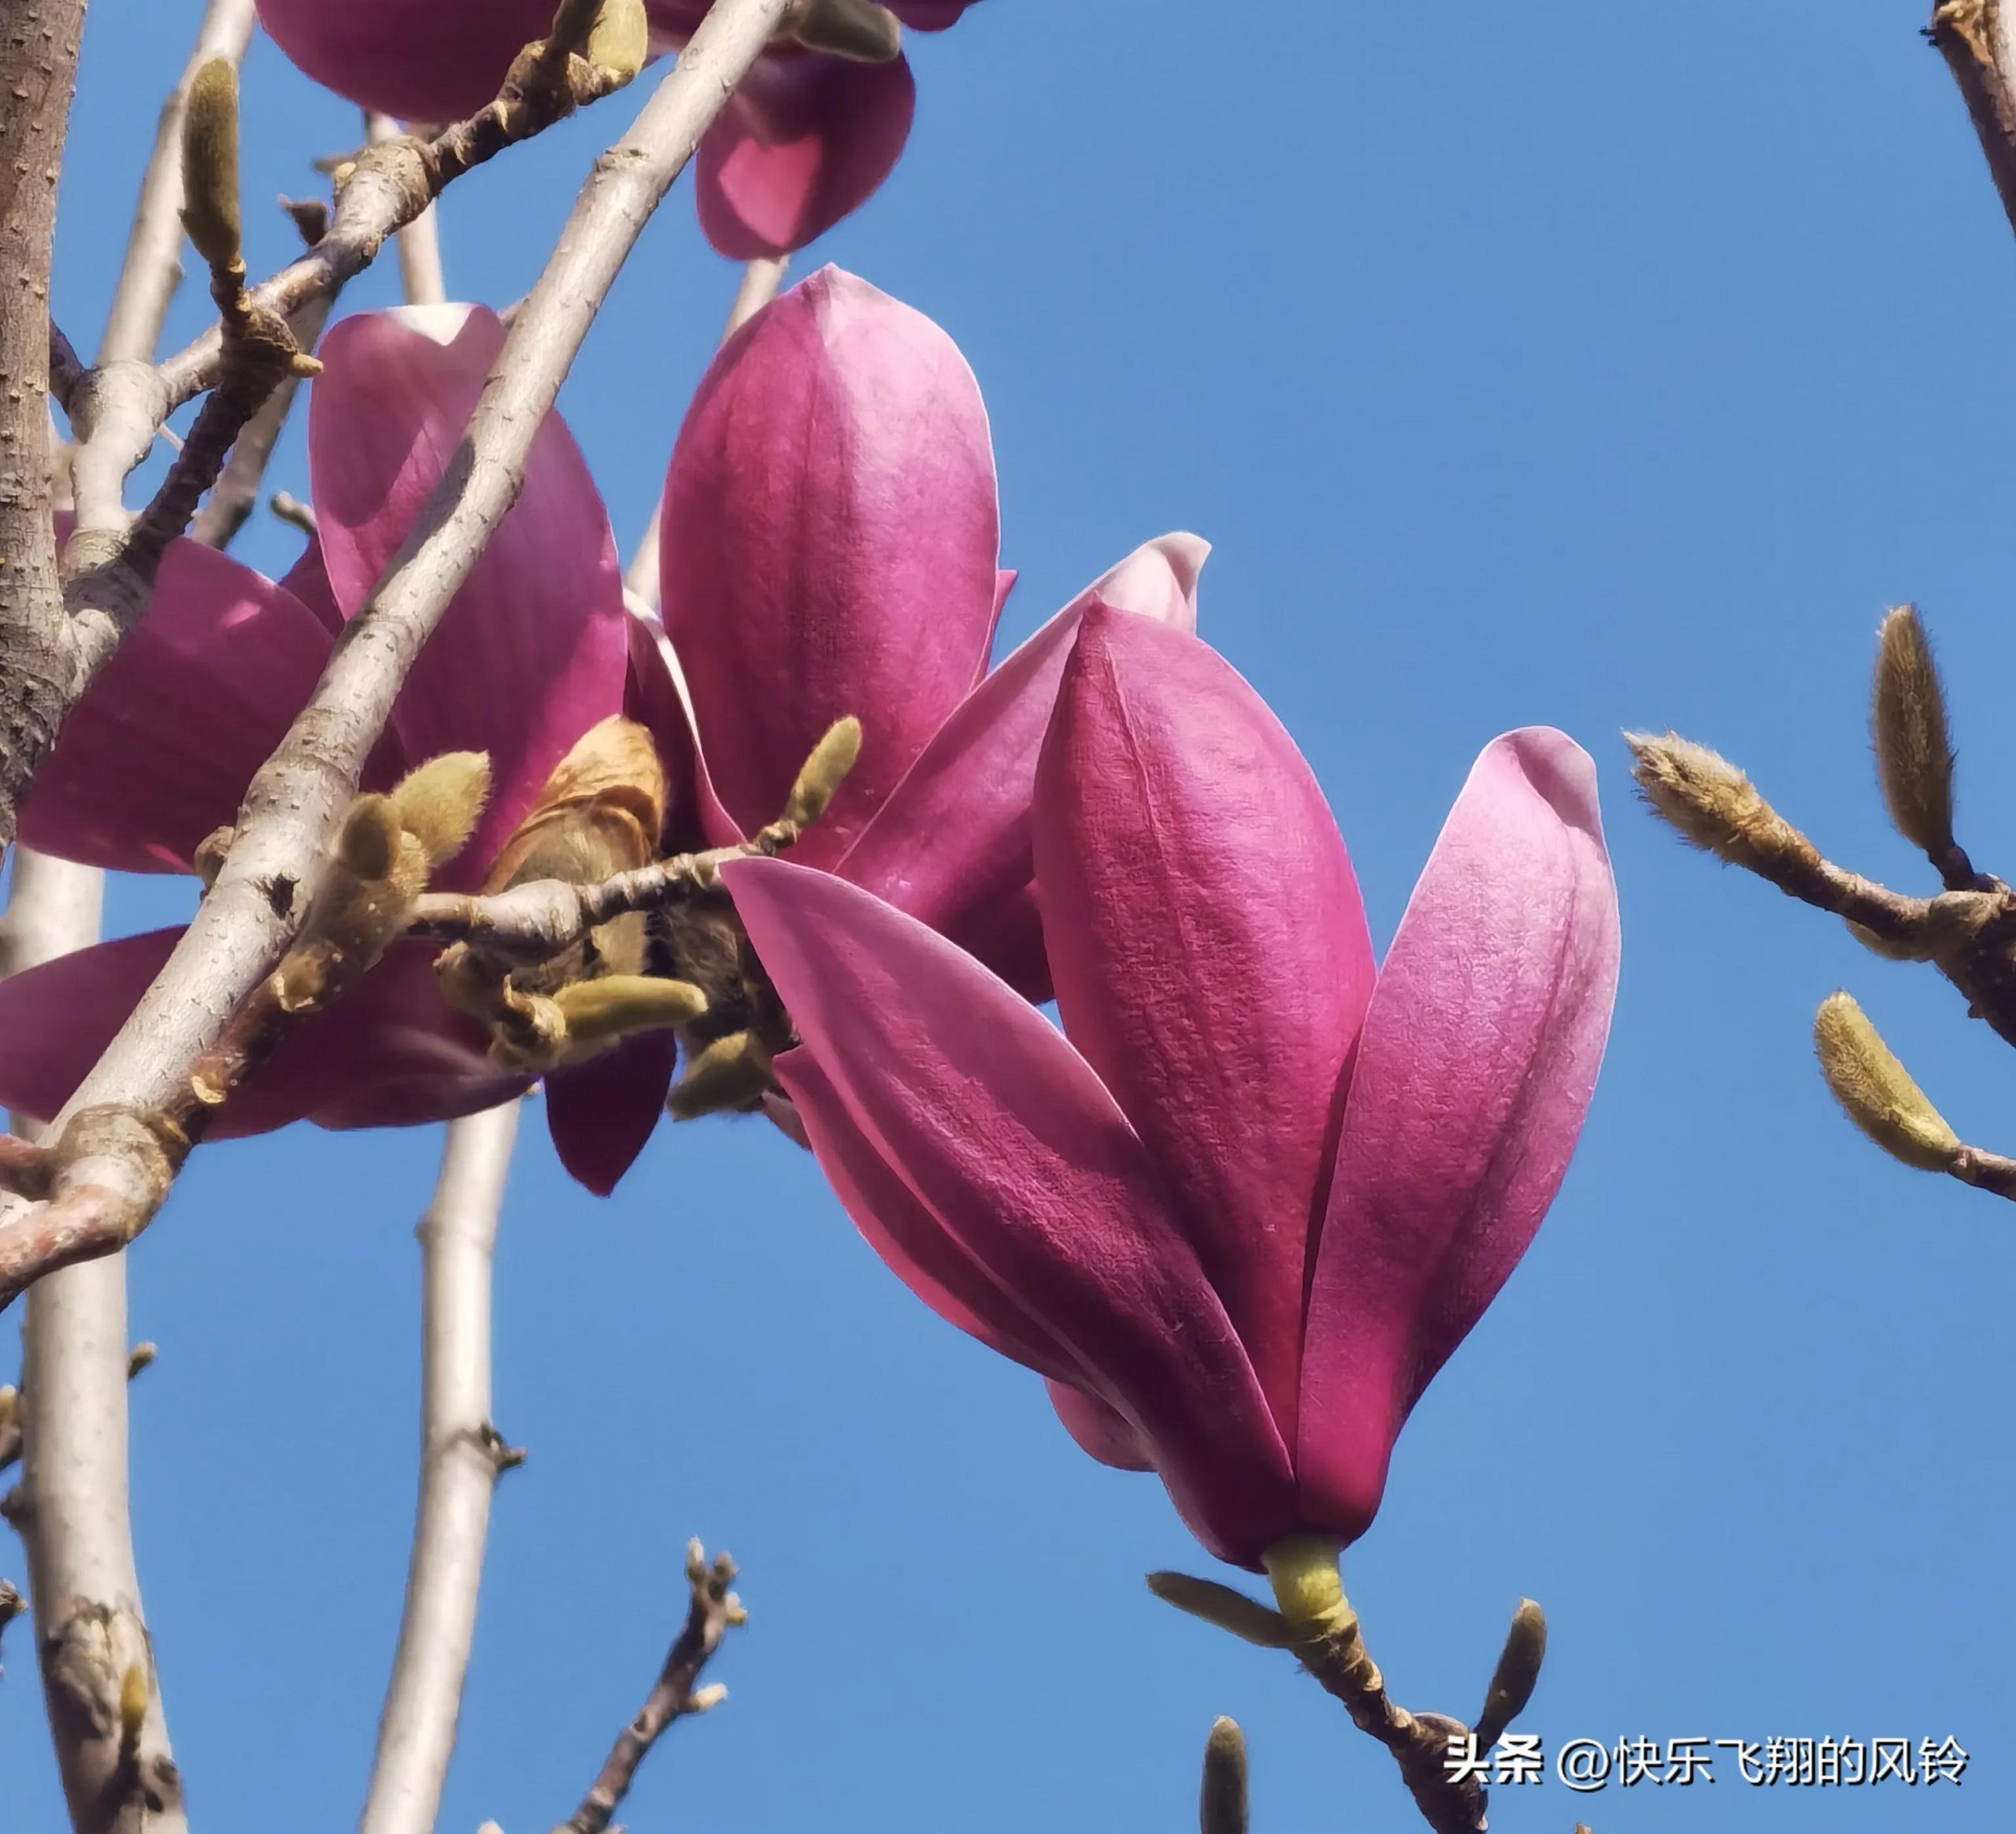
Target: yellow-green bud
[824, 771]
[209, 163]
[1876, 1091]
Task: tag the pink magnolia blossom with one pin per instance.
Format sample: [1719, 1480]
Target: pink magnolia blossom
[1243, 1208]
[830, 533]
[534, 651]
[807, 139]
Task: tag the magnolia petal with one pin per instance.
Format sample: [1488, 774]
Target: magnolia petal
[534, 649]
[805, 140]
[951, 845]
[1478, 1058]
[830, 531]
[308, 579]
[655, 696]
[420, 60]
[929, 15]
[1097, 1428]
[1004, 1134]
[1209, 951]
[389, 1053]
[909, 1237]
[159, 751]
[601, 1113]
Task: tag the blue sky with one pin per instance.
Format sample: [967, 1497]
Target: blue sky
[1603, 367]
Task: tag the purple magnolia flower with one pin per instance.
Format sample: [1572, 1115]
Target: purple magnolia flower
[830, 548]
[533, 652]
[807, 137]
[1245, 1205]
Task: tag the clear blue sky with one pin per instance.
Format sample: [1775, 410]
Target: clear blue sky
[1571, 363]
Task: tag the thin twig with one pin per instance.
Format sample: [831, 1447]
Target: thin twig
[760, 279]
[460, 1455]
[714, 1608]
[105, 1196]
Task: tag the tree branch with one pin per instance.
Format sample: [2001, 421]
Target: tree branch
[72, 1508]
[460, 1455]
[1977, 39]
[712, 1610]
[296, 800]
[38, 72]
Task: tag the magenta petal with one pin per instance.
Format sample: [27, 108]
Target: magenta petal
[534, 650]
[420, 60]
[911, 1239]
[1005, 1135]
[308, 579]
[390, 1053]
[159, 751]
[1098, 1430]
[951, 845]
[56, 1019]
[601, 1113]
[1209, 951]
[1478, 1058]
[929, 15]
[653, 698]
[805, 140]
[829, 540]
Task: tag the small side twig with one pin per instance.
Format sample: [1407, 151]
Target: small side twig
[712, 1611]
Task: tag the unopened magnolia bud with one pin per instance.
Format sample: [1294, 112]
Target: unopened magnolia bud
[1221, 1803]
[705, 1699]
[369, 844]
[1517, 1675]
[1914, 749]
[620, 41]
[1883, 946]
[209, 163]
[1876, 1091]
[10, 1405]
[140, 1357]
[824, 771]
[857, 30]
[618, 1005]
[1715, 805]
[1246, 1618]
[439, 804]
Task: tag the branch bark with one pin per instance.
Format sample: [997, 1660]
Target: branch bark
[38, 73]
[294, 804]
[461, 1454]
[1977, 39]
[71, 1507]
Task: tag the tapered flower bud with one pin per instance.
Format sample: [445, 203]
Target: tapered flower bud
[857, 30]
[1876, 1091]
[1517, 1673]
[824, 773]
[368, 844]
[132, 1703]
[209, 163]
[1914, 747]
[1713, 804]
[731, 1074]
[1221, 1803]
[440, 803]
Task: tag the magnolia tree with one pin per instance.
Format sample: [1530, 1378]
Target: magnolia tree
[761, 826]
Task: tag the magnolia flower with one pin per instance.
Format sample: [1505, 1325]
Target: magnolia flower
[1245, 1205]
[534, 653]
[808, 137]
[830, 533]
